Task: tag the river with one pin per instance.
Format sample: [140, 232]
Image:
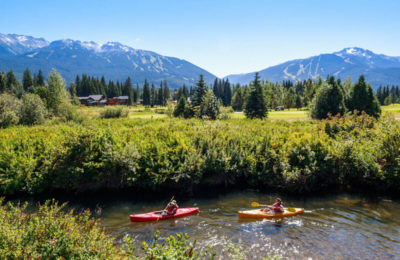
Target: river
[333, 227]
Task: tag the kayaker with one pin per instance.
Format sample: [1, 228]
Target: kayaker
[277, 206]
[171, 208]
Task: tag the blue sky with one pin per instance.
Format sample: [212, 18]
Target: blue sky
[223, 37]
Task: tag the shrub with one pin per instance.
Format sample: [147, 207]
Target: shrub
[68, 112]
[114, 112]
[52, 233]
[10, 110]
[33, 110]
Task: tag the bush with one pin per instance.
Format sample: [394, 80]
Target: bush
[68, 112]
[52, 232]
[33, 110]
[300, 157]
[10, 110]
[114, 112]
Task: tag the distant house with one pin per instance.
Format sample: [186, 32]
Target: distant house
[122, 100]
[93, 100]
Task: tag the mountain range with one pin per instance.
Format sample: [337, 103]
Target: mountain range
[112, 60]
[378, 69]
[116, 61]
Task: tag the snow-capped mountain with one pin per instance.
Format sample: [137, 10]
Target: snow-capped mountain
[113, 60]
[19, 44]
[378, 69]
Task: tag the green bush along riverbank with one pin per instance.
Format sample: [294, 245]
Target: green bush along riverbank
[52, 232]
[352, 152]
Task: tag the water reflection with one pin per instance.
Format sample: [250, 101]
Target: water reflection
[339, 227]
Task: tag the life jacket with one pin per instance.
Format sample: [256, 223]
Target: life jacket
[171, 208]
[278, 207]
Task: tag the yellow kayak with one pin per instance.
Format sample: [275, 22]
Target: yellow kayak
[259, 213]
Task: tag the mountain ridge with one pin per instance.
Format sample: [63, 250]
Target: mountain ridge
[113, 60]
[379, 69]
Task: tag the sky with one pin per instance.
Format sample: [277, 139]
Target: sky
[222, 36]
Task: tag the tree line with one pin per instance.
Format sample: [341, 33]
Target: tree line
[388, 95]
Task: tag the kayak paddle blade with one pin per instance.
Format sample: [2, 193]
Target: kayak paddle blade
[255, 204]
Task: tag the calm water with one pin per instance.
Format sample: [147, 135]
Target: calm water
[338, 227]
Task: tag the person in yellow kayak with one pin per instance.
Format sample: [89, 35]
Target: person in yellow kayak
[171, 208]
[277, 207]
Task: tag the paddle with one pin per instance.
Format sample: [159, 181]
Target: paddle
[256, 204]
[165, 208]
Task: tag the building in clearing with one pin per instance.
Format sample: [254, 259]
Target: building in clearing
[92, 100]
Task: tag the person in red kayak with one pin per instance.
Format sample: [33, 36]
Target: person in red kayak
[277, 207]
[171, 208]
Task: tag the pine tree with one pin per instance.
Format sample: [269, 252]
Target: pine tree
[126, 87]
[227, 96]
[40, 80]
[146, 94]
[167, 94]
[3, 83]
[130, 97]
[362, 98]
[256, 105]
[12, 83]
[153, 95]
[238, 99]
[179, 110]
[185, 91]
[27, 82]
[160, 93]
[136, 94]
[210, 106]
[200, 91]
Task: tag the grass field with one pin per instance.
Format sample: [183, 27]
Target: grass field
[141, 112]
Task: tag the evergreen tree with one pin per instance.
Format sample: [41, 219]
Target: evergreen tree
[167, 94]
[11, 83]
[185, 91]
[298, 102]
[210, 106]
[179, 110]
[40, 79]
[256, 105]
[227, 96]
[362, 98]
[136, 94]
[146, 94]
[131, 97]
[3, 82]
[238, 99]
[126, 87]
[160, 93]
[27, 82]
[153, 96]
[200, 91]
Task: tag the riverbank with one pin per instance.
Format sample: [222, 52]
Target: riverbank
[186, 156]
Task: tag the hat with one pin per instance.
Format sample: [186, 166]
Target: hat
[173, 202]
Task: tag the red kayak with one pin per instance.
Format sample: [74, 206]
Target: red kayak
[156, 215]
